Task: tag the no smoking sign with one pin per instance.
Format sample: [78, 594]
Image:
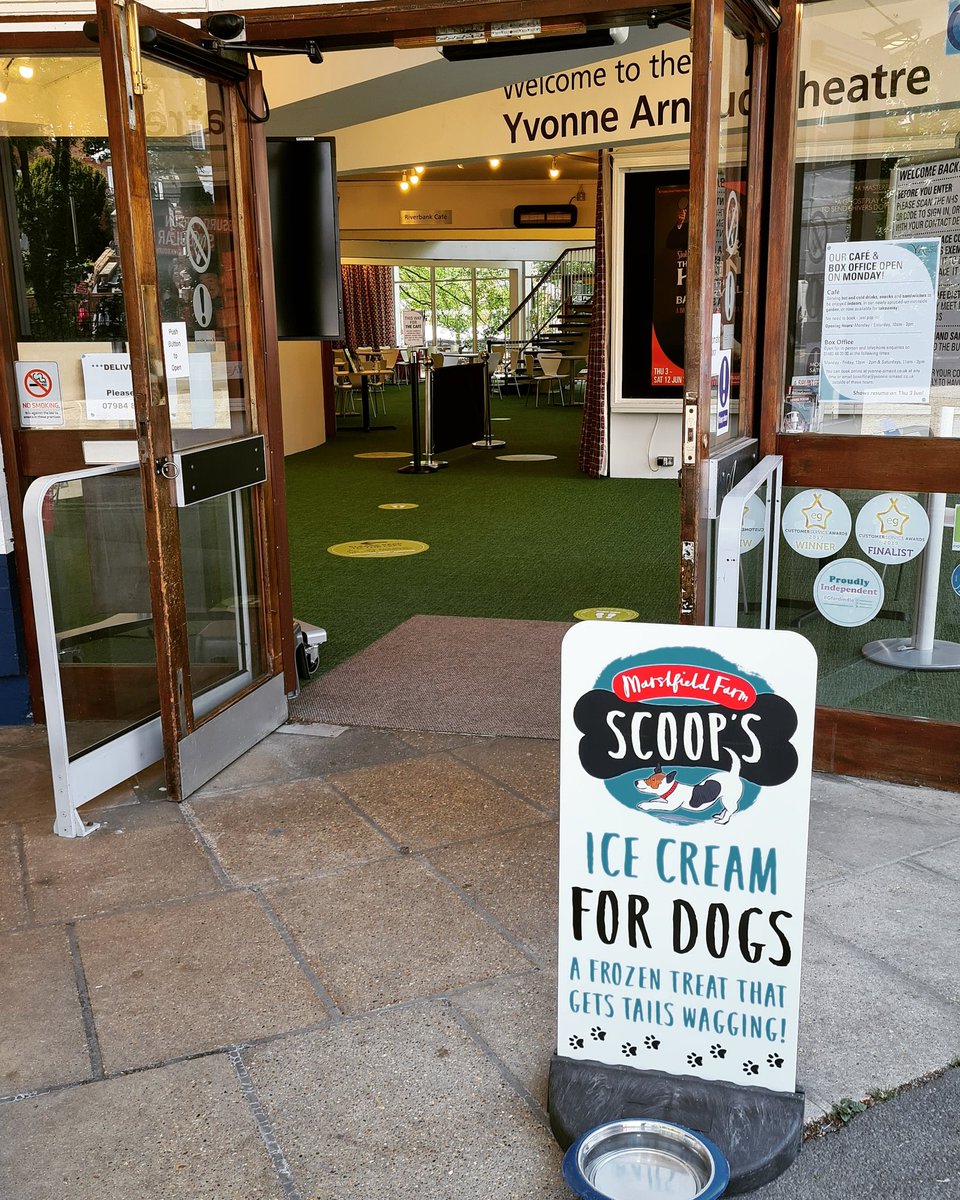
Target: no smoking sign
[38, 392]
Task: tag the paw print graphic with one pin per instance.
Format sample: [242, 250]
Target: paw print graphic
[774, 1060]
[629, 1049]
[750, 1068]
[718, 1051]
[576, 1043]
[651, 1042]
[695, 1060]
[597, 1033]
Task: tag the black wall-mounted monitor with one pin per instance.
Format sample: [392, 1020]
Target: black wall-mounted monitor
[306, 237]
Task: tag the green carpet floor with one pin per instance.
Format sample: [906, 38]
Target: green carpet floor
[528, 540]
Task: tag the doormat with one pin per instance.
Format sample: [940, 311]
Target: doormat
[470, 675]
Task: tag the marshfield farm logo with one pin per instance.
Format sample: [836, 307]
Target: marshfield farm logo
[685, 735]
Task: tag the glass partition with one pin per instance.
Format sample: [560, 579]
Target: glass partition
[874, 338]
[96, 564]
[864, 576]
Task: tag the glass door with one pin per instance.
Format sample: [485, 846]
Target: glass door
[726, 185]
[185, 230]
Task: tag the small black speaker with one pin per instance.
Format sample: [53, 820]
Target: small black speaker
[306, 237]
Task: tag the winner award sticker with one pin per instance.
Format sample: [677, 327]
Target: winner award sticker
[848, 592]
[892, 528]
[816, 523]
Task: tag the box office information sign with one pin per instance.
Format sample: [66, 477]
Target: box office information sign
[684, 805]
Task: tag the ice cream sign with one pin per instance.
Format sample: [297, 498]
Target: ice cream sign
[684, 803]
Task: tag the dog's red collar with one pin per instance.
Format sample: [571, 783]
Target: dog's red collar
[670, 790]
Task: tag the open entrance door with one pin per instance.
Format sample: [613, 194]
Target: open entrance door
[727, 182]
[192, 289]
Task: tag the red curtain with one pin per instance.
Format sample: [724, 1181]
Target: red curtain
[593, 433]
[368, 312]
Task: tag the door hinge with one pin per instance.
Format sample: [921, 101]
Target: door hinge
[690, 429]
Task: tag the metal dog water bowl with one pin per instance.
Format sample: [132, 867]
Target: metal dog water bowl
[640, 1159]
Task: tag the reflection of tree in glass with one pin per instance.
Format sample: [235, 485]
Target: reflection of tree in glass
[64, 224]
[454, 289]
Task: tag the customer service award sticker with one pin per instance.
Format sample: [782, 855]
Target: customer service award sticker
[892, 527]
[816, 523]
[685, 759]
[848, 592]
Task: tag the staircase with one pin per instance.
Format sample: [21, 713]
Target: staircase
[555, 314]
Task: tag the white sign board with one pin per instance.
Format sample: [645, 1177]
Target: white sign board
[175, 357]
[108, 387]
[926, 203]
[684, 804]
[38, 392]
[879, 318]
[411, 328]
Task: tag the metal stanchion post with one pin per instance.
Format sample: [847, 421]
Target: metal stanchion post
[430, 464]
[488, 441]
[418, 466]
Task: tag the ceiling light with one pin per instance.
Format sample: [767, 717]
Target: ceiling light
[419, 170]
[25, 71]
[404, 183]
[554, 171]
[414, 179]
[494, 163]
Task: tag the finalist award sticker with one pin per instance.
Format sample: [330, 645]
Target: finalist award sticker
[816, 523]
[892, 528]
[848, 592]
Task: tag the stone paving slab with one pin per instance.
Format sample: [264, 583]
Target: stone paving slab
[512, 876]
[42, 1038]
[143, 855]
[402, 1105]
[185, 978]
[181, 1132]
[390, 932]
[264, 834]
[432, 800]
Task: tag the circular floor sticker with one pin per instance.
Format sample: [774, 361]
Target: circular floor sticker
[385, 454]
[525, 457]
[377, 548]
[816, 523]
[892, 527]
[848, 592]
[606, 614]
[398, 506]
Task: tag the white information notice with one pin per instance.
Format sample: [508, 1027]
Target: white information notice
[879, 317]
[175, 350]
[684, 805]
[108, 387]
[411, 328]
[926, 203]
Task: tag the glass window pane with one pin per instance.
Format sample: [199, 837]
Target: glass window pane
[864, 576]
[70, 321]
[877, 163]
[194, 217]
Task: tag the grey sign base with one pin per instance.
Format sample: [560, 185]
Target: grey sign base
[758, 1130]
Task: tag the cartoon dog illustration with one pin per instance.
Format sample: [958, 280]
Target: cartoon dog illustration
[725, 787]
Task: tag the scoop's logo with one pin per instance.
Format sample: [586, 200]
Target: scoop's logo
[685, 735]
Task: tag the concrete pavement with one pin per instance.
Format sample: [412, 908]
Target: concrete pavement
[331, 974]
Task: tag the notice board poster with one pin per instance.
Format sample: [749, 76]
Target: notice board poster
[684, 804]
[926, 203]
[656, 233]
[879, 317]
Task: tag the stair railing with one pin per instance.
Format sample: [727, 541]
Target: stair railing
[565, 287]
